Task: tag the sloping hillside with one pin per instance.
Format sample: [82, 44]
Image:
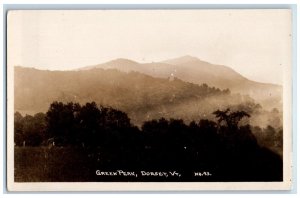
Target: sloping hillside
[143, 97]
[194, 70]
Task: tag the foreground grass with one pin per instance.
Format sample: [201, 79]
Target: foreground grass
[38, 164]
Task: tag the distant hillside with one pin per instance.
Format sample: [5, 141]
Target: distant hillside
[193, 70]
[143, 97]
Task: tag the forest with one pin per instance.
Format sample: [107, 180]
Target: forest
[71, 141]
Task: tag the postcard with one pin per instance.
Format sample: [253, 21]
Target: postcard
[149, 100]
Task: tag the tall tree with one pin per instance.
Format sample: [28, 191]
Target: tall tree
[61, 121]
[231, 119]
[89, 124]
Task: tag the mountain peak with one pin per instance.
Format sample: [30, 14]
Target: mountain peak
[182, 60]
[188, 57]
[122, 61]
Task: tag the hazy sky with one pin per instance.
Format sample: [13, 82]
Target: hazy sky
[255, 43]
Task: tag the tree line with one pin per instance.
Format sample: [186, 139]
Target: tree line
[227, 148]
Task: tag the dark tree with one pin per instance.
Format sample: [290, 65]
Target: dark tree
[231, 119]
[29, 130]
[18, 129]
[89, 124]
[115, 118]
[61, 121]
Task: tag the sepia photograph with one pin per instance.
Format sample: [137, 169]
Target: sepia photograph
[188, 99]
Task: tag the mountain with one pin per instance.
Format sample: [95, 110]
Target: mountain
[142, 96]
[182, 60]
[194, 70]
[125, 64]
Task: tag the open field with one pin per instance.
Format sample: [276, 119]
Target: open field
[37, 164]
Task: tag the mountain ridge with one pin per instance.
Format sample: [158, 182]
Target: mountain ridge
[192, 69]
[173, 61]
